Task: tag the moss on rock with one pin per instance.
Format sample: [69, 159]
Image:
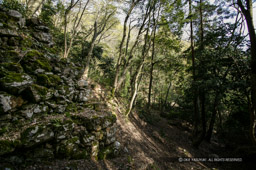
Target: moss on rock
[48, 80]
[36, 135]
[7, 146]
[34, 60]
[15, 83]
[36, 93]
[10, 56]
[10, 67]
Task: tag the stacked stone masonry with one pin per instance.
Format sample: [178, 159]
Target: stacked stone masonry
[44, 111]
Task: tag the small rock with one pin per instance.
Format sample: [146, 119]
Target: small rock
[82, 83]
[39, 71]
[42, 28]
[22, 22]
[126, 150]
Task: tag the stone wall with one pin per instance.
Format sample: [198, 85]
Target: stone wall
[44, 106]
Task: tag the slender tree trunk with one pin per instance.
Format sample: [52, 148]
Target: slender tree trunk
[213, 118]
[89, 56]
[248, 14]
[127, 65]
[198, 141]
[135, 90]
[121, 46]
[196, 116]
[150, 81]
[147, 42]
[167, 94]
[152, 60]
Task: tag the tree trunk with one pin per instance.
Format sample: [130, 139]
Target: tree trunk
[135, 90]
[196, 116]
[248, 14]
[213, 118]
[167, 94]
[198, 141]
[89, 56]
[121, 46]
[119, 80]
[152, 60]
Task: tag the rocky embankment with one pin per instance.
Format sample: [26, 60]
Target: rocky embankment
[44, 106]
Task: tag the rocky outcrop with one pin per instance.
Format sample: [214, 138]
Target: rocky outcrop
[45, 110]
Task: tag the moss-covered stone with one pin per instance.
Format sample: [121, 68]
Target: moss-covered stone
[7, 146]
[10, 56]
[29, 110]
[3, 17]
[69, 149]
[48, 80]
[34, 60]
[106, 152]
[40, 153]
[10, 67]
[26, 42]
[15, 83]
[36, 135]
[36, 93]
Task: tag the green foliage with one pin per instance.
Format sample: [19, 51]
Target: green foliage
[48, 11]
[14, 5]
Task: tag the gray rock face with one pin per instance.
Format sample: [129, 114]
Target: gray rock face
[14, 14]
[82, 96]
[8, 102]
[43, 37]
[42, 28]
[82, 83]
[29, 110]
[8, 33]
[36, 93]
[36, 135]
[22, 22]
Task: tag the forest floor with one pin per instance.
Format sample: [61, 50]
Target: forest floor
[162, 144]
